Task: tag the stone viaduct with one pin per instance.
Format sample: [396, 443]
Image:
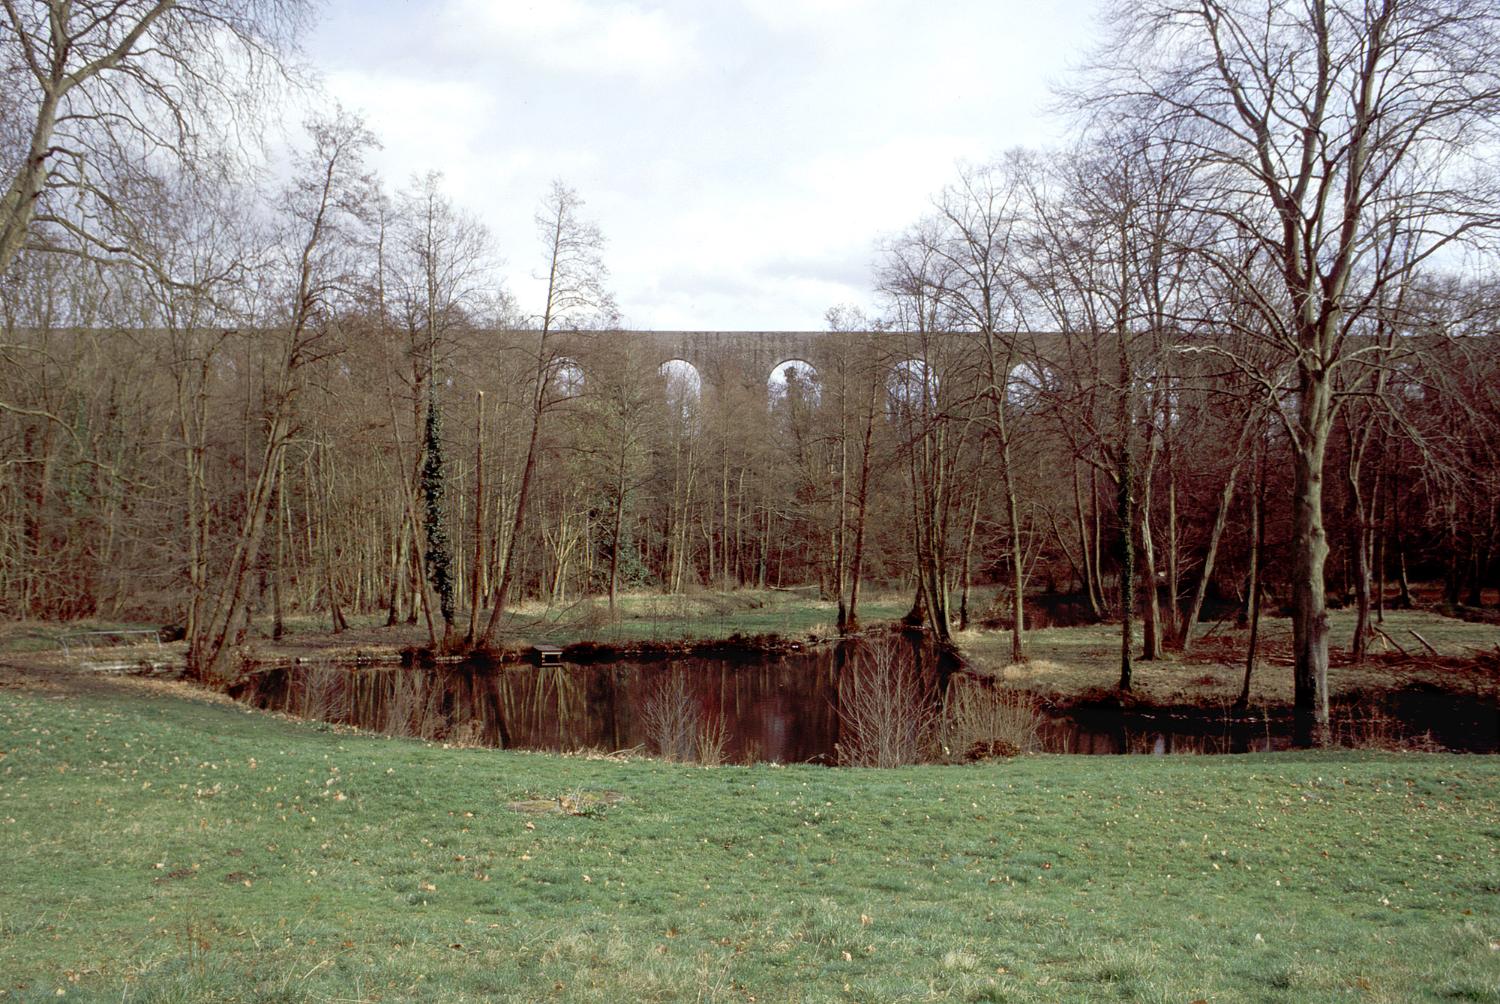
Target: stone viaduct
[746, 358]
[721, 358]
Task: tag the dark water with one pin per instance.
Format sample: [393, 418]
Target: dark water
[1410, 719]
[780, 708]
[774, 708]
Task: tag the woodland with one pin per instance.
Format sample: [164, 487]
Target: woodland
[1231, 348]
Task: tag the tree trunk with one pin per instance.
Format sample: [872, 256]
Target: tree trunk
[476, 574]
[1381, 531]
[1257, 542]
[616, 537]
[862, 501]
[1221, 519]
[1017, 567]
[1125, 512]
[17, 204]
[1359, 556]
[507, 568]
[1151, 641]
[326, 542]
[1096, 608]
[278, 620]
[969, 534]
[1097, 518]
[1309, 555]
[1174, 551]
[1126, 507]
[841, 534]
[226, 624]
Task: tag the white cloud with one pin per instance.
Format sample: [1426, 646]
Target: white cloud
[741, 156]
[578, 36]
[807, 15]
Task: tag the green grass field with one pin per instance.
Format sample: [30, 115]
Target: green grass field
[159, 847]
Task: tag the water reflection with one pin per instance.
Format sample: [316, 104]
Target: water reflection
[772, 707]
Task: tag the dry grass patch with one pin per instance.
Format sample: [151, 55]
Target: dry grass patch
[980, 721]
[1065, 662]
[573, 803]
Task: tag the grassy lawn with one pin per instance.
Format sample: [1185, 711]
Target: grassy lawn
[156, 846]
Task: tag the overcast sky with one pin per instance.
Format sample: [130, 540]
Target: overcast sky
[741, 156]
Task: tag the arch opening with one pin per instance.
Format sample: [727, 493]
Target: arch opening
[794, 379]
[1160, 398]
[565, 377]
[911, 388]
[683, 386]
[1025, 385]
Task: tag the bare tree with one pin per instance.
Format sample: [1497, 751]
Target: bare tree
[916, 280]
[887, 706]
[979, 219]
[444, 279]
[195, 259]
[325, 204]
[97, 88]
[1332, 122]
[858, 382]
[576, 297]
[613, 437]
[1087, 215]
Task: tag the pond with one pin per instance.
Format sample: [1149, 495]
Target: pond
[782, 708]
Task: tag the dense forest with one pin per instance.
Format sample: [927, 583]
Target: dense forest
[1234, 345]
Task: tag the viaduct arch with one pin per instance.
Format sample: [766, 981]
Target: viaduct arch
[746, 360]
[722, 358]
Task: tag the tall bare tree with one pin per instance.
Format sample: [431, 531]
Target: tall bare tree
[980, 217]
[576, 297]
[325, 204]
[1332, 123]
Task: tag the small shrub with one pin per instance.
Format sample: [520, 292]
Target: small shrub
[887, 708]
[712, 739]
[677, 725]
[325, 694]
[1360, 727]
[468, 735]
[413, 706]
[670, 717]
[991, 749]
[980, 721]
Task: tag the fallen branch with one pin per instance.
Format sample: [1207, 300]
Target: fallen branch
[1404, 652]
[1217, 624]
[1426, 644]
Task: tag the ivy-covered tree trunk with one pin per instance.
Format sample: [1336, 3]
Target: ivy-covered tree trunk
[439, 555]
